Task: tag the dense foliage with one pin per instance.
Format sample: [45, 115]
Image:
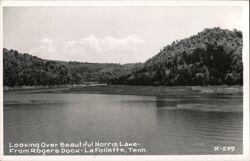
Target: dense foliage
[212, 57]
[24, 69]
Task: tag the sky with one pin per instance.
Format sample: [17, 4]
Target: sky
[108, 34]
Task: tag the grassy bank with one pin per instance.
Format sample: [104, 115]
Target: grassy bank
[142, 90]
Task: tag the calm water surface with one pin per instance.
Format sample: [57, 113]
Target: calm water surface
[173, 124]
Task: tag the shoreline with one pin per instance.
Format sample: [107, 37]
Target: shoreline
[129, 90]
[7, 88]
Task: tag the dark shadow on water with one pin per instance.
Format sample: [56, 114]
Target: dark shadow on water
[183, 124]
[200, 129]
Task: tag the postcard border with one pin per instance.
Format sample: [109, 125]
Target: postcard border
[245, 6]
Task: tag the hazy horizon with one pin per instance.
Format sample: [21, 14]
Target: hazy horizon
[108, 34]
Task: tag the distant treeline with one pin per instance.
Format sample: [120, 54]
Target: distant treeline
[26, 70]
[212, 57]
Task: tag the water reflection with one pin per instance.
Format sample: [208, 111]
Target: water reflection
[201, 128]
[216, 103]
[174, 124]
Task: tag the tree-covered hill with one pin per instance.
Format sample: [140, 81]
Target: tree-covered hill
[212, 57]
[24, 69]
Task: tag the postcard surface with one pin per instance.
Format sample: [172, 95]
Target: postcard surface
[125, 80]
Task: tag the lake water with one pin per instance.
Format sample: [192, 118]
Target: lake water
[172, 124]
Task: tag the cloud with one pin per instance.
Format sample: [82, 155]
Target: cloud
[45, 49]
[107, 49]
[91, 49]
[46, 41]
[91, 42]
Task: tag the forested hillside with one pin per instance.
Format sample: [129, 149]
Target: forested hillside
[24, 69]
[212, 57]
